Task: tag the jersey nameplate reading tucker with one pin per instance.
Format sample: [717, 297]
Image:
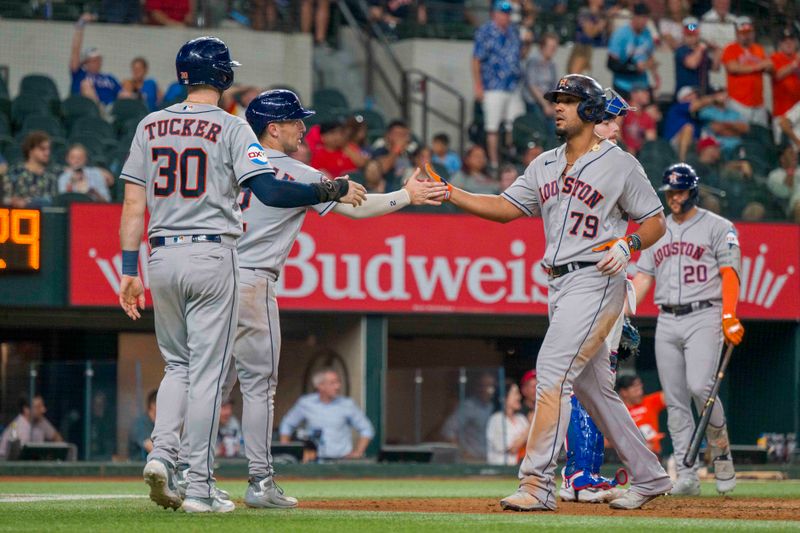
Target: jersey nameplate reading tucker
[183, 127]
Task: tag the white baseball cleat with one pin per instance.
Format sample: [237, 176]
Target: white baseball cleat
[207, 505]
[724, 474]
[632, 500]
[159, 476]
[182, 483]
[523, 501]
[686, 487]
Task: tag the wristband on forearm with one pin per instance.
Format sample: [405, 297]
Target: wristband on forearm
[634, 242]
[331, 190]
[130, 263]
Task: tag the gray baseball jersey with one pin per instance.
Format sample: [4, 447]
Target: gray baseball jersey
[687, 259]
[191, 157]
[584, 208]
[685, 263]
[270, 232]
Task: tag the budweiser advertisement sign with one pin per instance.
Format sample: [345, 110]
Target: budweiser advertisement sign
[405, 263]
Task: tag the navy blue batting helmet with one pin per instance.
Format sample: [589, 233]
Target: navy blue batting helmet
[592, 107]
[205, 61]
[682, 177]
[274, 106]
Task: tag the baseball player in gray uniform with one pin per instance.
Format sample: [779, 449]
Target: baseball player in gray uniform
[276, 116]
[695, 267]
[581, 190]
[185, 166]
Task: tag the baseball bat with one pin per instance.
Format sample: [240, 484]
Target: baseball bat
[691, 454]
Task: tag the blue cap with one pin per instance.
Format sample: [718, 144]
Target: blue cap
[502, 5]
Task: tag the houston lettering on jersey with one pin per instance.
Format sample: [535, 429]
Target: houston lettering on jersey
[695, 251]
[572, 187]
[183, 127]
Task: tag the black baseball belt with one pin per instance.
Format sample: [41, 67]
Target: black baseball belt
[680, 310]
[560, 270]
[173, 240]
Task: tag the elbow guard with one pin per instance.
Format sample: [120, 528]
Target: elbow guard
[331, 190]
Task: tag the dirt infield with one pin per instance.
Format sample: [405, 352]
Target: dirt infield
[712, 508]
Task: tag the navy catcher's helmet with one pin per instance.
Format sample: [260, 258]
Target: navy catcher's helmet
[274, 106]
[205, 61]
[616, 105]
[682, 177]
[593, 99]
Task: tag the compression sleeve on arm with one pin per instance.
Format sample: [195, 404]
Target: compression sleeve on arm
[375, 205]
[281, 193]
[730, 290]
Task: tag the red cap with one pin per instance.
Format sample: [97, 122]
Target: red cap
[707, 142]
[527, 376]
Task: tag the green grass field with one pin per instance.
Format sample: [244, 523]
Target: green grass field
[130, 510]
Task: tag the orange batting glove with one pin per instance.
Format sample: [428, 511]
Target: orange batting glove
[436, 177]
[732, 329]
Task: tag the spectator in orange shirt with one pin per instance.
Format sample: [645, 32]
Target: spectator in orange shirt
[644, 409]
[785, 77]
[746, 63]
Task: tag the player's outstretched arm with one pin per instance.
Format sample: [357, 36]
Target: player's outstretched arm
[414, 192]
[131, 290]
[489, 206]
[280, 193]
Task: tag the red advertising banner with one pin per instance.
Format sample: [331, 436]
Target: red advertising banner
[406, 263]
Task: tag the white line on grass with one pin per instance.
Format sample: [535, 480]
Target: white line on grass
[28, 498]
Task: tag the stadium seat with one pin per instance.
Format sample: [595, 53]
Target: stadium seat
[10, 150]
[5, 126]
[529, 126]
[24, 105]
[5, 108]
[46, 123]
[39, 85]
[94, 125]
[94, 143]
[77, 106]
[330, 100]
[16, 10]
[376, 124]
[58, 150]
[64, 199]
[126, 109]
[655, 157]
[3, 89]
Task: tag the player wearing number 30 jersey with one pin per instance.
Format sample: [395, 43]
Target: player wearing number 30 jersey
[185, 166]
[695, 268]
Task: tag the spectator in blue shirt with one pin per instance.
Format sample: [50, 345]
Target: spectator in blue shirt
[724, 122]
[443, 155]
[497, 73]
[681, 126]
[329, 418]
[85, 69]
[630, 53]
[139, 86]
[694, 59]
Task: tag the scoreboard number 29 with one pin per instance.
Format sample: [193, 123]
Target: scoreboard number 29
[20, 237]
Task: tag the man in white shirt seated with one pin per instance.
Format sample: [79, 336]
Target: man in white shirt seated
[330, 416]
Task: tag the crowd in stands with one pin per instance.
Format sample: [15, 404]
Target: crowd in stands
[745, 153]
